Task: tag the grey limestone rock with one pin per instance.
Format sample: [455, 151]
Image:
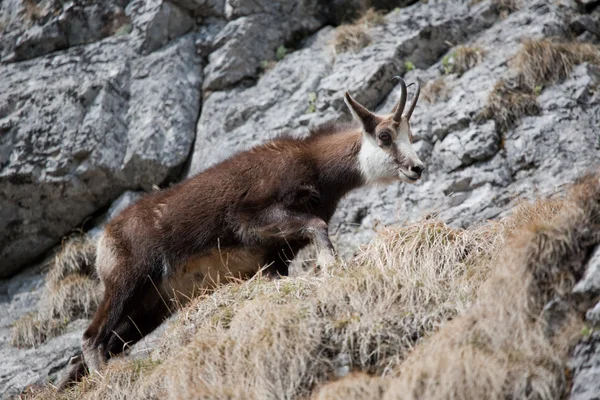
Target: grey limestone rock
[80, 128]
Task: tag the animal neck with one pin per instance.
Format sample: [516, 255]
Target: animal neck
[337, 161]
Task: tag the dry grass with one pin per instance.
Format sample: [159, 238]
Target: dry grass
[71, 292]
[363, 387]
[31, 330]
[506, 7]
[280, 339]
[354, 37]
[500, 348]
[435, 90]
[33, 11]
[547, 61]
[429, 311]
[506, 105]
[464, 58]
[539, 63]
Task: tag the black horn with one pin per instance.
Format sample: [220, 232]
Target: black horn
[402, 102]
[413, 103]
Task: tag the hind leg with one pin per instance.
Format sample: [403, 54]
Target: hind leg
[76, 369]
[98, 333]
[137, 323]
[125, 316]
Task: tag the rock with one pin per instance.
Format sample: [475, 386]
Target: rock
[207, 33]
[582, 23]
[18, 297]
[593, 315]
[102, 121]
[585, 366]
[237, 119]
[459, 185]
[255, 33]
[590, 283]
[122, 202]
[587, 5]
[236, 57]
[461, 149]
[203, 8]
[21, 368]
[157, 22]
[40, 40]
[555, 315]
[32, 29]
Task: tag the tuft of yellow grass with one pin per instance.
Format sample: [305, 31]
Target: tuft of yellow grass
[71, 292]
[547, 61]
[30, 330]
[32, 11]
[506, 105]
[502, 347]
[465, 58]
[424, 311]
[506, 7]
[281, 339]
[538, 63]
[363, 387]
[435, 90]
[354, 37]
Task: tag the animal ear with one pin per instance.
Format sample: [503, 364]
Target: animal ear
[361, 114]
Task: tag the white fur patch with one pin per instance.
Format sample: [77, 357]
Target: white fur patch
[106, 257]
[404, 146]
[158, 213]
[375, 163]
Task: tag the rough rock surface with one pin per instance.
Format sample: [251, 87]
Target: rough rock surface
[81, 127]
[585, 362]
[98, 99]
[22, 367]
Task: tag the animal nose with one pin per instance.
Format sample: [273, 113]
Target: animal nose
[417, 169]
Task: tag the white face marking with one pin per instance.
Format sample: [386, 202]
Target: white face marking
[378, 165]
[405, 148]
[375, 163]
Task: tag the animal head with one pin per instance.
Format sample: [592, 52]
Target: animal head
[386, 151]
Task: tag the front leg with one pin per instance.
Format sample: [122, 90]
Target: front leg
[295, 226]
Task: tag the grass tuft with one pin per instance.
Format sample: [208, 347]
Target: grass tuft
[32, 11]
[71, 292]
[423, 311]
[506, 105]
[282, 338]
[547, 61]
[435, 90]
[31, 330]
[354, 37]
[506, 7]
[464, 58]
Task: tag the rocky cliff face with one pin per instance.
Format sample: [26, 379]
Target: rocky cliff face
[101, 98]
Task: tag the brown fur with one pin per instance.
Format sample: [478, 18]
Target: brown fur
[257, 208]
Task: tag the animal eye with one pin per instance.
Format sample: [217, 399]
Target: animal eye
[385, 137]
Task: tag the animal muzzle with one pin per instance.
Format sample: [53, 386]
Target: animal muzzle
[413, 172]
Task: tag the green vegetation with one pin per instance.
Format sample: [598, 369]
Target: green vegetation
[312, 100]
[281, 53]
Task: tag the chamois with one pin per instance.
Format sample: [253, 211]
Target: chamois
[255, 209]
